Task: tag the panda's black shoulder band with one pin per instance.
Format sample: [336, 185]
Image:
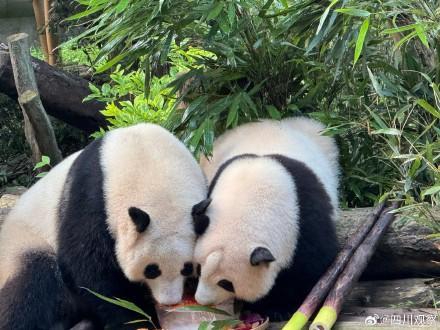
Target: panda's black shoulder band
[224, 166]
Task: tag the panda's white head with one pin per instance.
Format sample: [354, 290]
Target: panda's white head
[151, 184]
[163, 262]
[248, 231]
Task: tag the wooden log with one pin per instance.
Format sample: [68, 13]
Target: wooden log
[404, 251]
[31, 103]
[24, 80]
[327, 315]
[61, 93]
[320, 290]
[403, 293]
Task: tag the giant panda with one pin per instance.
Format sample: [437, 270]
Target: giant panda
[267, 227]
[114, 218]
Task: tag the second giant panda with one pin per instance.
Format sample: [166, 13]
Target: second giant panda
[114, 218]
[267, 227]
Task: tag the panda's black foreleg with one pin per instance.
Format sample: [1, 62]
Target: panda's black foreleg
[36, 297]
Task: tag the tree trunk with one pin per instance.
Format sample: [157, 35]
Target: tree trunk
[61, 93]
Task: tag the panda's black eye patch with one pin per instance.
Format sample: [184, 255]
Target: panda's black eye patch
[199, 270]
[227, 285]
[152, 271]
[188, 269]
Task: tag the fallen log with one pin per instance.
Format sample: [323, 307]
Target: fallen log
[61, 93]
[403, 293]
[404, 251]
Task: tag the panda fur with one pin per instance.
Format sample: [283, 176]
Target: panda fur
[108, 218]
[267, 227]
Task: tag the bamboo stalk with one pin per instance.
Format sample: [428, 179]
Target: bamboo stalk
[41, 30]
[49, 37]
[327, 315]
[320, 290]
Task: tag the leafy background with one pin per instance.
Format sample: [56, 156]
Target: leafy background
[368, 69]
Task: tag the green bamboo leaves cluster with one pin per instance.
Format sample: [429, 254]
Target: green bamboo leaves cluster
[368, 69]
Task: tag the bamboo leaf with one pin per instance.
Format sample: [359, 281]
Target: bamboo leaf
[400, 29]
[428, 107]
[354, 12]
[121, 303]
[387, 131]
[361, 39]
[86, 13]
[375, 83]
[324, 15]
[273, 112]
[215, 11]
[204, 325]
[224, 324]
[121, 6]
[201, 308]
[166, 47]
[422, 35]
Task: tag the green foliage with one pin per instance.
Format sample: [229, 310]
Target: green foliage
[126, 102]
[368, 69]
[44, 162]
[127, 305]
[71, 54]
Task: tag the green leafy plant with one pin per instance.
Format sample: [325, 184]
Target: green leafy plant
[126, 102]
[127, 305]
[45, 162]
[368, 69]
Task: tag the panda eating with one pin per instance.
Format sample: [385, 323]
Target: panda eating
[114, 218]
[267, 227]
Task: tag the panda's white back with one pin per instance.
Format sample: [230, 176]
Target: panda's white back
[297, 138]
[32, 223]
[133, 164]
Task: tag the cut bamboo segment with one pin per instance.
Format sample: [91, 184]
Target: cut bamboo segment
[327, 315]
[51, 44]
[320, 290]
[41, 29]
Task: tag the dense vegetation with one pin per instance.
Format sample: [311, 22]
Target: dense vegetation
[368, 69]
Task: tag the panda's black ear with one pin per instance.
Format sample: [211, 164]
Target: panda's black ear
[261, 255]
[200, 219]
[200, 208]
[140, 218]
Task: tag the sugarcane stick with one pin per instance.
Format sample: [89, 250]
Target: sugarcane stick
[322, 287]
[327, 315]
